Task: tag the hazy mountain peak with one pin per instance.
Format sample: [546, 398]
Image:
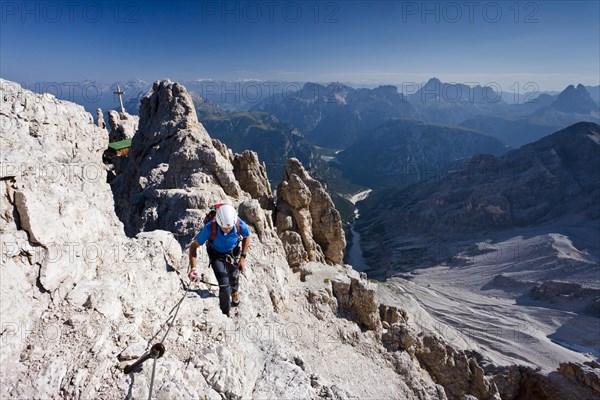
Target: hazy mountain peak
[543, 98]
[308, 86]
[575, 100]
[387, 90]
[436, 91]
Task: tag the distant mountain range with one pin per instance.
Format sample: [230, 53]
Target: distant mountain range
[435, 91]
[540, 182]
[228, 95]
[452, 103]
[335, 115]
[240, 95]
[284, 119]
[570, 106]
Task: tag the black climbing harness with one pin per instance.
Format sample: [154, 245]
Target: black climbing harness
[228, 259]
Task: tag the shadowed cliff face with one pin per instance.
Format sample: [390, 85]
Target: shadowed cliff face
[401, 153]
[554, 177]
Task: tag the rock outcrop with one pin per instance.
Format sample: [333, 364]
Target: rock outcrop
[49, 157]
[562, 292]
[68, 273]
[171, 158]
[252, 176]
[455, 370]
[357, 297]
[251, 212]
[101, 123]
[122, 125]
[306, 219]
[588, 375]
[569, 381]
[458, 372]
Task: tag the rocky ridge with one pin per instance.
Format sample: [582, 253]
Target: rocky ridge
[80, 299]
[72, 323]
[170, 158]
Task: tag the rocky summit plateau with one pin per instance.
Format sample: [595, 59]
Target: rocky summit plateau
[94, 274]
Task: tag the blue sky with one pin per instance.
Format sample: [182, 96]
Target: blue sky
[551, 43]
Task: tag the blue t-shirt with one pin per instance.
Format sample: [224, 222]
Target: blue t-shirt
[224, 242]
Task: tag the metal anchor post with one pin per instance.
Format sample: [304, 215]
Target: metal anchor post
[156, 351]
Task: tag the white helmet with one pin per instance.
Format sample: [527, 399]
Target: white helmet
[226, 216]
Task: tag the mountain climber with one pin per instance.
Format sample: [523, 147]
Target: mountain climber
[227, 237]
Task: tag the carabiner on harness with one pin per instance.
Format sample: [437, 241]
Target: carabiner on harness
[230, 260]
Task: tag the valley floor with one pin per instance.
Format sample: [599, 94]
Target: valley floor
[484, 302]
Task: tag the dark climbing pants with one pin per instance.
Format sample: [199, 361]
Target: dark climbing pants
[227, 275]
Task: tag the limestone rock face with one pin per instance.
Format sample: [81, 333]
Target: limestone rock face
[357, 297]
[251, 212]
[252, 176]
[222, 148]
[455, 370]
[294, 248]
[49, 157]
[305, 207]
[80, 300]
[66, 265]
[122, 125]
[171, 158]
[588, 374]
